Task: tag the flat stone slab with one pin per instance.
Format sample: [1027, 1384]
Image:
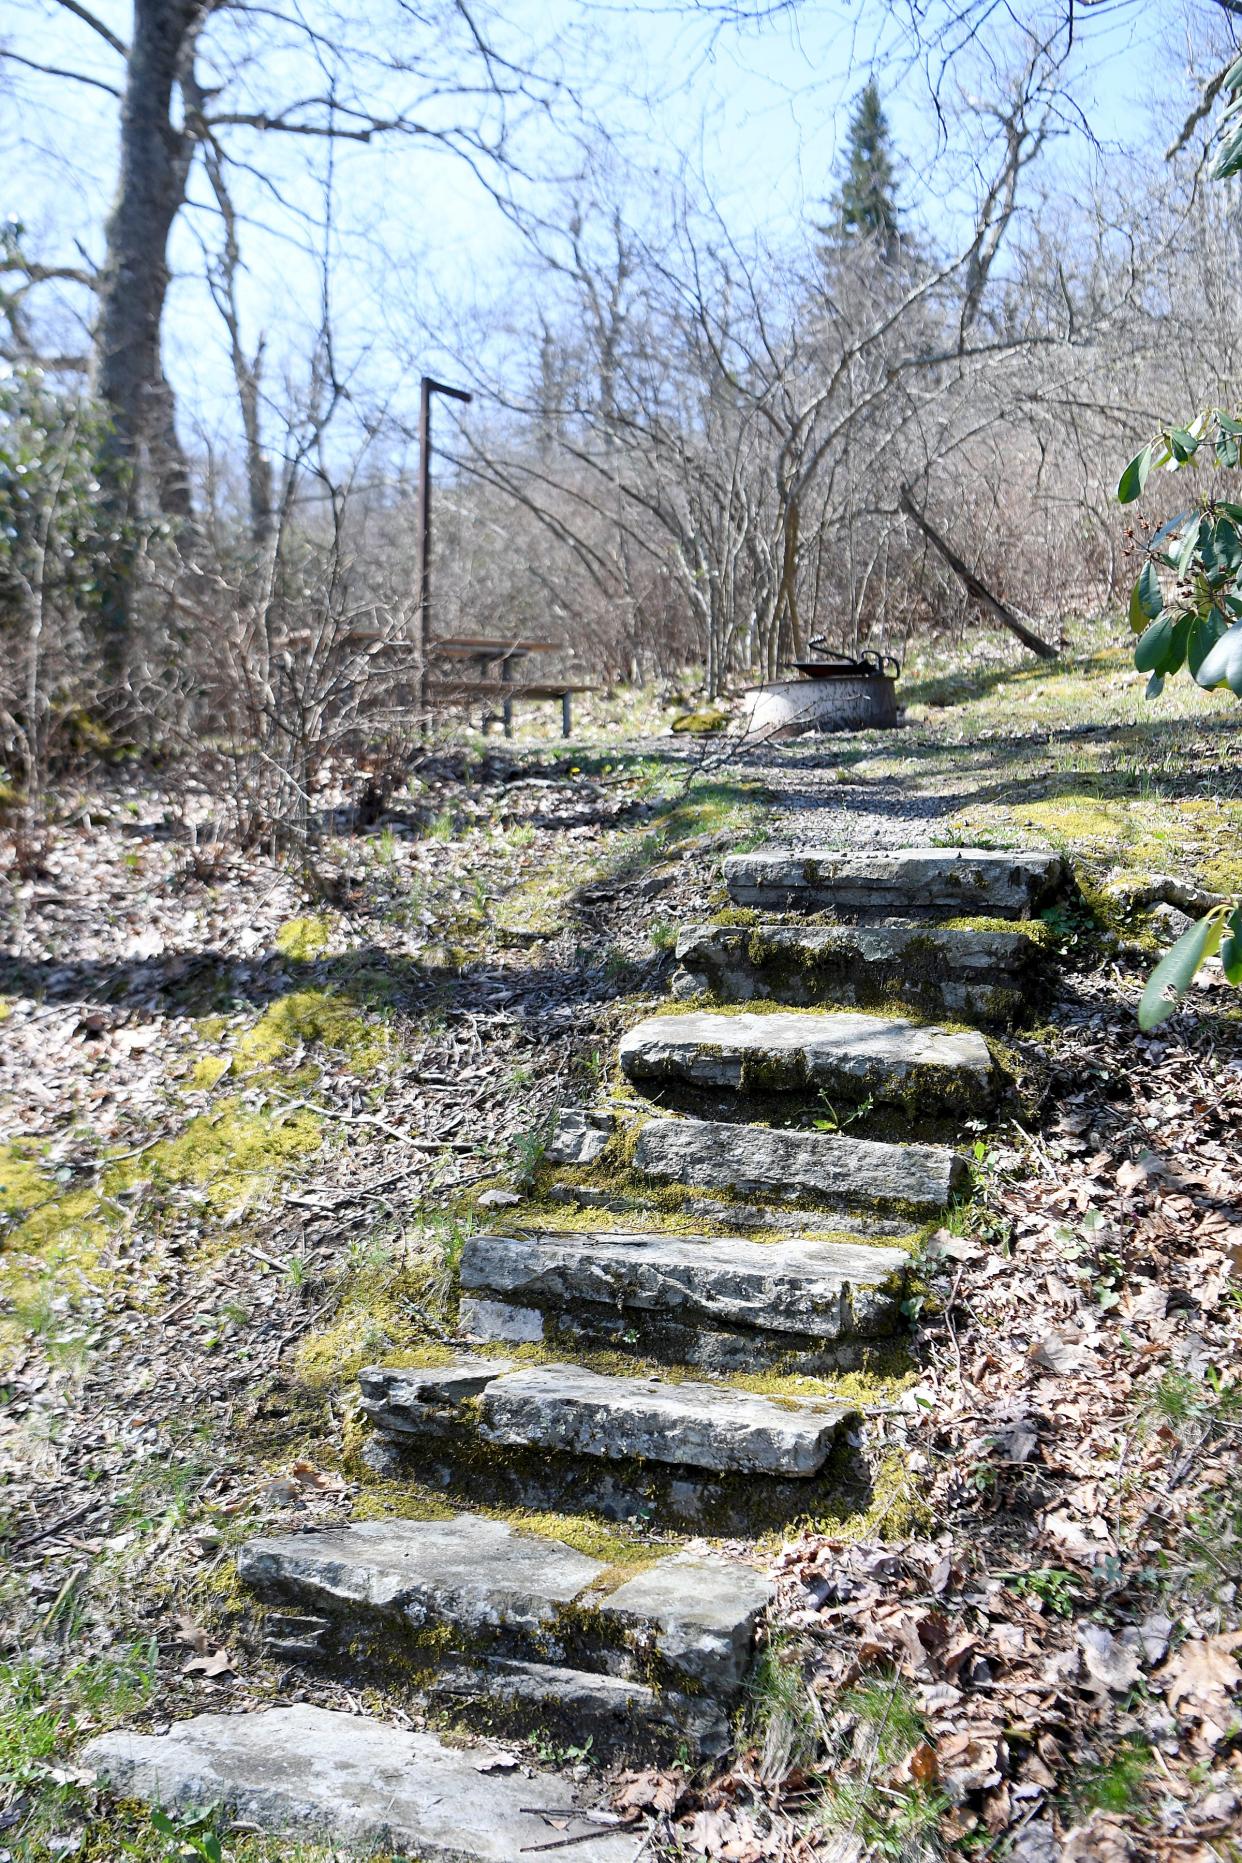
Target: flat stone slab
[848, 1056]
[610, 1712]
[315, 1772]
[835, 1171]
[704, 1426]
[424, 1398]
[473, 1573]
[990, 975]
[566, 1409]
[823, 1290]
[908, 882]
[495, 1587]
[699, 1613]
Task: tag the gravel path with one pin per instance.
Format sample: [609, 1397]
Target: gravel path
[825, 800]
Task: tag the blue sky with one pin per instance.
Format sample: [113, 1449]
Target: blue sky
[759, 113]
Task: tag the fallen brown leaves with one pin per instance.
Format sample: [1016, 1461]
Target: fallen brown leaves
[1055, 1672]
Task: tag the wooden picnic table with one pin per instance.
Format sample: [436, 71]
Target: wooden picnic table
[485, 647]
[507, 655]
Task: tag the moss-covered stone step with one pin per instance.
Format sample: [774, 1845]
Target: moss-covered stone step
[607, 1717]
[770, 1220]
[831, 1171]
[568, 1409]
[720, 1302]
[475, 1612]
[362, 1784]
[989, 976]
[846, 1056]
[907, 882]
[630, 1448]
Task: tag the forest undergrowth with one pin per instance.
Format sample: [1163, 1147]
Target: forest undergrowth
[249, 1106]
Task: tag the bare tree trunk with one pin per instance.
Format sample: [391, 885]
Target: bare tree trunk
[128, 373]
[972, 584]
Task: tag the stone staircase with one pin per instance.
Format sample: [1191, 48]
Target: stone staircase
[651, 1375]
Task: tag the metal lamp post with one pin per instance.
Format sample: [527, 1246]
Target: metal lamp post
[427, 387]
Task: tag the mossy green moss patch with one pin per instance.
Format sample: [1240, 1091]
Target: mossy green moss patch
[307, 1017]
[702, 722]
[23, 1183]
[382, 1499]
[381, 1313]
[60, 1239]
[1139, 833]
[232, 1156]
[304, 939]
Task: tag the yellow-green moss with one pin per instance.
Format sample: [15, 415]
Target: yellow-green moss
[208, 1073]
[303, 939]
[381, 1498]
[1224, 874]
[701, 722]
[233, 1157]
[1034, 929]
[22, 1182]
[1197, 834]
[730, 917]
[377, 1316]
[650, 1218]
[306, 1017]
[883, 1384]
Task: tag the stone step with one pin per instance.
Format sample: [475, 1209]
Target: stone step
[604, 1716]
[833, 1171]
[908, 882]
[723, 1302]
[847, 1057]
[498, 1594]
[864, 1224]
[567, 1409]
[991, 976]
[626, 1447]
[364, 1785]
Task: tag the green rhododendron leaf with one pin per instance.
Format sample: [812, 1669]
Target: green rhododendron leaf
[1222, 665]
[1175, 972]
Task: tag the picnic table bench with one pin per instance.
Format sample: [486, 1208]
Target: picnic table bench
[497, 662]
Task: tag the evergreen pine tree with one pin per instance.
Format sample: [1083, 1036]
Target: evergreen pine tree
[865, 205]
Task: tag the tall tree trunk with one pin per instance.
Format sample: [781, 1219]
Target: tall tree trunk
[128, 372]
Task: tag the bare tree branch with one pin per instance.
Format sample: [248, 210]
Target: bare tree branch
[96, 25]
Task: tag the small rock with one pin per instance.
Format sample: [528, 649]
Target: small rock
[578, 1137]
[498, 1200]
[1170, 920]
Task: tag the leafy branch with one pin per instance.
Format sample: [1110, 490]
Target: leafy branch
[1191, 617]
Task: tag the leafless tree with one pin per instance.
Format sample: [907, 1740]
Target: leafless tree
[200, 79]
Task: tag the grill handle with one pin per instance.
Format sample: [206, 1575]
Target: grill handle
[867, 662]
